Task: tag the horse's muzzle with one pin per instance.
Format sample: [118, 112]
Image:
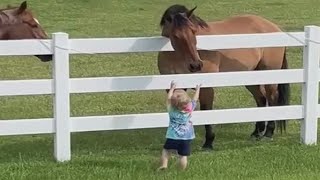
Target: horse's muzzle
[195, 66]
[44, 58]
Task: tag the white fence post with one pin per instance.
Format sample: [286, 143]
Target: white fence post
[311, 87]
[62, 144]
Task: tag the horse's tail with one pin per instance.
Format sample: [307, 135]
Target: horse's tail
[284, 94]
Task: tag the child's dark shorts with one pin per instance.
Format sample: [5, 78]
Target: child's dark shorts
[182, 146]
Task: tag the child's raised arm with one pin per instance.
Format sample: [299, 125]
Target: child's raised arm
[170, 93]
[196, 94]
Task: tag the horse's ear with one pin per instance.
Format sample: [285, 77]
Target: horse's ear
[22, 8]
[190, 12]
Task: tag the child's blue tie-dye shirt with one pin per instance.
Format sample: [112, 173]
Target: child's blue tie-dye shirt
[180, 125]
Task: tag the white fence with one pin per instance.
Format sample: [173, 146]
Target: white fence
[61, 85]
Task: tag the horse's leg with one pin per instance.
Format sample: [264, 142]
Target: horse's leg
[206, 103]
[275, 58]
[272, 97]
[261, 101]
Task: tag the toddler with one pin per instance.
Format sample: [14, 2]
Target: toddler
[180, 131]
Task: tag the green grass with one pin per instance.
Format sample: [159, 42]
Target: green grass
[133, 154]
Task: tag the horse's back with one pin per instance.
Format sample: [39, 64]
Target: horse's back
[242, 24]
[243, 59]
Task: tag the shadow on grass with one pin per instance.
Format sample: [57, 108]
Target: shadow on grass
[134, 143]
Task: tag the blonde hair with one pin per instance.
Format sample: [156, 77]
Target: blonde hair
[180, 99]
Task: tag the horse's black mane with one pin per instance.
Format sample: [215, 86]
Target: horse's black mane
[178, 19]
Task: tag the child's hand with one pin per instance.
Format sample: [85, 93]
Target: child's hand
[170, 93]
[196, 95]
[172, 85]
[198, 87]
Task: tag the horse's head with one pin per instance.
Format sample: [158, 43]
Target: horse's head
[21, 31]
[181, 27]
[31, 28]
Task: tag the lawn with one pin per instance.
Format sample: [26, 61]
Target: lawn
[133, 154]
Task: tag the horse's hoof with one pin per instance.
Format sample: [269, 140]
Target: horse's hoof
[255, 138]
[267, 138]
[207, 147]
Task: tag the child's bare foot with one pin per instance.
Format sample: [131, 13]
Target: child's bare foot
[162, 168]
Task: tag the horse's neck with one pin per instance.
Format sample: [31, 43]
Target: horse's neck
[242, 24]
[210, 30]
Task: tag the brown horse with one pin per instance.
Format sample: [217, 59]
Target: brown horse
[181, 26]
[19, 23]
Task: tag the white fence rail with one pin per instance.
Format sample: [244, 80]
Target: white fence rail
[61, 85]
